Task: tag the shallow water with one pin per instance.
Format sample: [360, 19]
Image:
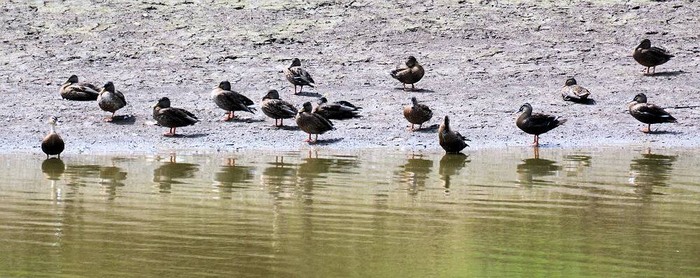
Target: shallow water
[606, 213]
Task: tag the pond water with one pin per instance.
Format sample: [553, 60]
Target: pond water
[611, 213]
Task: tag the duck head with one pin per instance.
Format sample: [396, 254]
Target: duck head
[72, 79]
[272, 94]
[225, 85]
[322, 100]
[570, 82]
[163, 102]
[526, 108]
[296, 63]
[108, 87]
[411, 61]
[447, 123]
[306, 107]
[414, 101]
[640, 98]
[645, 44]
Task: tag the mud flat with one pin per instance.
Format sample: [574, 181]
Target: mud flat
[483, 60]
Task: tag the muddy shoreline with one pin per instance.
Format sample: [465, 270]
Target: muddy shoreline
[482, 61]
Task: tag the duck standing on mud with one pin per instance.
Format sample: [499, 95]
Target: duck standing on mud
[417, 113]
[648, 113]
[278, 109]
[451, 141]
[72, 89]
[53, 143]
[650, 56]
[230, 101]
[110, 100]
[411, 74]
[172, 117]
[296, 75]
[312, 123]
[537, 123]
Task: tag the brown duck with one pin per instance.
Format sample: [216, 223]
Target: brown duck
[650, 56]
[296, 75]
[574, 92]
[417, 113]
[339, 110]
[411, 74]
[648, 113]
[230, 101]
[276, 108]
[451, 141]
[312, 123]
[537, 123]
[110, 100]
[53, 143]
[172, 117]
[81, 91]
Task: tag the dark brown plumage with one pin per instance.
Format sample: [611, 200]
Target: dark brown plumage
[411, 74]
[417, 113]
[650, 56]
[574, 92]
[451, 141]
[53, 143]
[312, 123]
[648, 113]
[278, 109]
[110, 100]
[172, 117]
[296, 75]
[230, 101]
[81, 91]
[537, 123]
[340, 110]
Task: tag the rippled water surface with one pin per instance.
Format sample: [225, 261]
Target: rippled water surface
[508, 213]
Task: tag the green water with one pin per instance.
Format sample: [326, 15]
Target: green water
[606, 213]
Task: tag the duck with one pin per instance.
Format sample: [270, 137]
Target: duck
[650, 56]
[411, 74]
[574, 92]
[278, 109]
[537, 123]
[296, 75]
[72, 89]
[417, 113]
[172, 117]
[110, 100]
[339, 110]
[451, 141]
[230, 101]
[53, 143]
[312, 123]
[648, 113]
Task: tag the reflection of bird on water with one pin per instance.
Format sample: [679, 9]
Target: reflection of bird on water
[415, 173]
[575, 163]
[277, 175]
[315, 168]
[532, 168]
[111, 177]
[170, 172]
[77, 175]
[53, 168]
[450, 164]
[651, 170]
[230, 174]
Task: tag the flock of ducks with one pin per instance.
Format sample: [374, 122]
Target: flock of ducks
[315, 121]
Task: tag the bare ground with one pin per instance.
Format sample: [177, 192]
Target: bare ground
[483, 60]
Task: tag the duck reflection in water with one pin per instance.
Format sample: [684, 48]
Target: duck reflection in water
[172, 172]
[532, 168]
[650, 171]
[576, 163]
[111, 177]
[450, 164]
[231, 176]
[277, 176]
[415, 173]
[313, 169]
[53, 168]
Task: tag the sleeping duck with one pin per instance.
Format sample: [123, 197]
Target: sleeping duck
[574, 92]
[312, 123]
[230, 101]
[537, 123]
[417, 113]
[451, 141]
[298, 76]
[411, 74]
[81, 91]
[110, 100]
[276, 108]
[650, 56]
[53, 143]
[172, 117]
[648, 113]
[339, 110]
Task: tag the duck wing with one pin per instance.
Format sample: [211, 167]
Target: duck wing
[299, 76]
[651, 110]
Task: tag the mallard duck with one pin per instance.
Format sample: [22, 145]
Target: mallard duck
[110, 100]
[172, 117]
[53, 143]
[574, 92]
[648, 113]
[230, 101]
[411, 74]
[312, 123]
[339, 110]
[74, 90]
[298, 76]
[451, 141]
[536, 123]
[650, 56]
[417, 113]
[276, 108]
